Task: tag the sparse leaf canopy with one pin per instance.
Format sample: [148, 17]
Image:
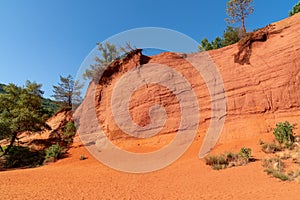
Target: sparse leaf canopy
[65, 89]
[238, 10]
[109, 53]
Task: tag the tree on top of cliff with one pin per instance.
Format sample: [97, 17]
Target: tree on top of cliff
[109, 52]
[238, 11]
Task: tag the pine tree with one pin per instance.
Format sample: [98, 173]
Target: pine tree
[20, 110]
[109, 52]
[67, 91]
[205, 45]
[230, 36]
[238, 11]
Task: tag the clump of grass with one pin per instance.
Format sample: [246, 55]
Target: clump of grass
[229, 159]
[277, 174]
[261, 142]
[273, 164]
[284, 154]
[294, 174]
[270, 148]
[82, 157]
[217, 162]
[286, 147]
[274, 167]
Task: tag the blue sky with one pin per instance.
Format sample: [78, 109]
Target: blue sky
[40, 40]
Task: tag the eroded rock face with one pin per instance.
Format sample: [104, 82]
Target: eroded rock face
[259, 93]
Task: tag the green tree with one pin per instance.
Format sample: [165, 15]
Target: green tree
[230, 36]
[109, 52]
[67, 91]
[217, 43]
[205, 45]
[20, 110]
[238, 11]
[295, 9]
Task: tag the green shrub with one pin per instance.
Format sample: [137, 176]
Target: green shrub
[294, 174]
[55, 151]
[19, 156]
[284, 133]
[245, 153]
[231, 36]
[69, 133]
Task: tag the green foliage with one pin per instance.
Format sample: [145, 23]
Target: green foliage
[49, 107]
[67, 92]
[217, 43]
[295, 9]
[284, 133]
[19, 156]
[230, 36]
[20, 110]
[245, 153]
[205, 45]
[1, 88]
[69, 133]
[54, 151]
[238, 11]
[109, 52]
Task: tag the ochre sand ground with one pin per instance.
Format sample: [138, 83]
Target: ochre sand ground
[187, 178]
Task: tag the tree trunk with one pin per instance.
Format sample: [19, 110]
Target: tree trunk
[11, 144]
[243, 27]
